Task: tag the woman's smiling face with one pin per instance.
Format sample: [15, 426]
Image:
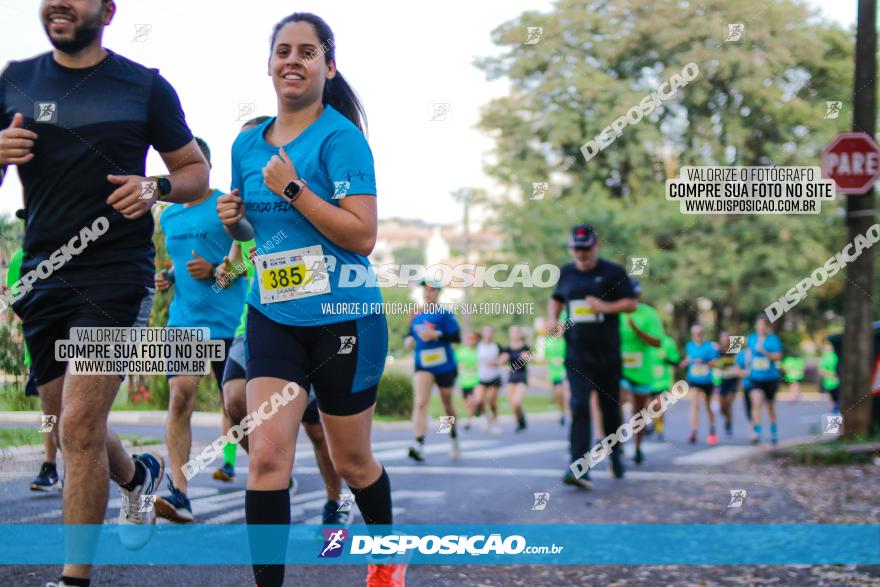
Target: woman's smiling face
[297, 64]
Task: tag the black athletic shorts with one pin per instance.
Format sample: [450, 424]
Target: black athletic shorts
[30, 388]
[466, 392]
[235, 361]
[491, 382]
[518, 377]
[704, 387]
[217, 367]
[48, 315]
[729, 386]
[768, 387]
[344, 361]
[311, 415]
[443, 380]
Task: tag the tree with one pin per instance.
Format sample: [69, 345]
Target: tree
[759, 101]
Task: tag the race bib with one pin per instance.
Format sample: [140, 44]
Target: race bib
[581, 311]
[700, 370]
[433, 357]
[632, 360]
[290, 275]
[761, 364]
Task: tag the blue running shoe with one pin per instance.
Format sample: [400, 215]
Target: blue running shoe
[174, 507]
[225, 473]
[46, 479]
[333, 517]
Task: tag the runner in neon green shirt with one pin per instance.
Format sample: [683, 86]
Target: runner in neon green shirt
[793, 373]
[830, 381]
[47, 478]
[641, 333]
[554, 352]
[13, 274]
[466, 358]
[666, 359]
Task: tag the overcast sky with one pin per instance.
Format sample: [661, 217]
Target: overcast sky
[401, 57]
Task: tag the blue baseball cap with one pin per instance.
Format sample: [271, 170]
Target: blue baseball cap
[583, 236]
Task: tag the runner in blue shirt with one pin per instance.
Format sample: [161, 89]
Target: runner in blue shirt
[700, 355]
[432, 331]
[309, 171]
[765, 352]
[196, 243]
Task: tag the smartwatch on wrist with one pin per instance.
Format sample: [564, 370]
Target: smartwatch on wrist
[164, 185]
[293, 190]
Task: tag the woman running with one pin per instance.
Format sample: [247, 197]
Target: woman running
[554, 352]
[432, 331]
[309, 172]
[765, 350]
[488, 352]
[700, 355]
[728, 374]
[830, 380]
[468, 380]
[517, 357]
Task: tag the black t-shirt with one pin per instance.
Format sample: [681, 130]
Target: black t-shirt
[592, 337]
[103, 121]
[516, 361]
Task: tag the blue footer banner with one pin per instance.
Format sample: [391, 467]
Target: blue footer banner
[484, 544]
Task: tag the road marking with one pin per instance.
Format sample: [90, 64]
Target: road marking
[433, 448]
[301, 503]
[718, 455]
[549, 473]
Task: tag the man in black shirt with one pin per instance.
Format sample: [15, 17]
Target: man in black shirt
[78, 123]
[594, 292]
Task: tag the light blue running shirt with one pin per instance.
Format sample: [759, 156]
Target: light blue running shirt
[762, 368]
[196, 303]
[334, 159]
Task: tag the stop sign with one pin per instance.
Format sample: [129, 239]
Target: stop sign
[852, 160]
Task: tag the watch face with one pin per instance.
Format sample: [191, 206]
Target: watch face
[292, 189]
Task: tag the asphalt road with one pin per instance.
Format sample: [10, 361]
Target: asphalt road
[494, 482]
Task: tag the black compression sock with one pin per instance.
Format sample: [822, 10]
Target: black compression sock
[140, 475]
[479, 411]
[272, 508]
[420, 439]
[75, 581]
[452, 432]
[375, 501]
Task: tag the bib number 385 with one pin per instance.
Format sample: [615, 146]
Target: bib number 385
[290, 275]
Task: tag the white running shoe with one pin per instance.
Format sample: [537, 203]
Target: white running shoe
[454, 450]
[494, 428]
[137, 514]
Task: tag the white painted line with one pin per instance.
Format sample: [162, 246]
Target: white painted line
[718, 455]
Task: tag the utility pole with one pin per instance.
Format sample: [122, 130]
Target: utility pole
[463, 196]
[858, 295]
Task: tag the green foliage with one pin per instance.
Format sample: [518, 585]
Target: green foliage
[20, 436]
[395, 395]
[760, 101]
[398, 323]
[409, 255]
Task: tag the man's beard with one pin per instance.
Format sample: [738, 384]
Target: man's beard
[83, 36]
